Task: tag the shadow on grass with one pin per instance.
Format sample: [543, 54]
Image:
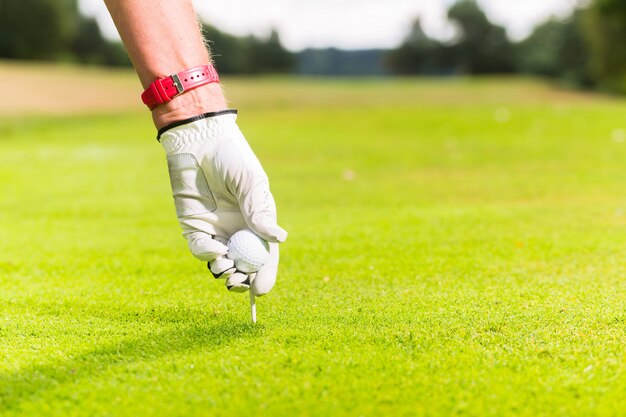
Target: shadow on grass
[193, 330]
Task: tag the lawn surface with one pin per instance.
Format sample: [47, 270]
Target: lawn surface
[456, 247]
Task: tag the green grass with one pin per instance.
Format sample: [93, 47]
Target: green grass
[456, 247]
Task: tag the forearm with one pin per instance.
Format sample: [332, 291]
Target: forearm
[162, 37]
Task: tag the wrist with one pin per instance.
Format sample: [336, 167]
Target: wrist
[205, 99]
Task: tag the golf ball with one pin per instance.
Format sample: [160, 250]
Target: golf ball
[248, 251]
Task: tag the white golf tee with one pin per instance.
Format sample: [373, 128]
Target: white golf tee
[252, 307]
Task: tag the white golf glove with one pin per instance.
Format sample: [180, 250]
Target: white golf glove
[219, 188]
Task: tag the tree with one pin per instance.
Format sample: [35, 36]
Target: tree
[269, 55]
[39, 29]
[418, 54]
[54, 30]
[247, 55]
[90, 47]
[606, 32]
[481, 47]
[229, 52]
[557, 48]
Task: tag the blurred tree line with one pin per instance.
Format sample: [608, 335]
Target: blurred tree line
[248, 54]
[55, 30]
[586, 49]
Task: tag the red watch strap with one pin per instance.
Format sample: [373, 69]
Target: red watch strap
[165, 89]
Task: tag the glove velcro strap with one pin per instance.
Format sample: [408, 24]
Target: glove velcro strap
[193, 119]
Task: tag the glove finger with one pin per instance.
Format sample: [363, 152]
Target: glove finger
[246, 180]
[238, 282]
[204, 247]
[221, 268]
[266, 277]
[259, 210]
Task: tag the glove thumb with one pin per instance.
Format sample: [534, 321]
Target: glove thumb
[204, 247]
[265, 279]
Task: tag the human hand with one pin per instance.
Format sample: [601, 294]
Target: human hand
[219, 188]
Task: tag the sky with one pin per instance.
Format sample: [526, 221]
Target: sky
[350, 24]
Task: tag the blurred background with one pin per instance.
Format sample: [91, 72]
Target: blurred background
[578, 43]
